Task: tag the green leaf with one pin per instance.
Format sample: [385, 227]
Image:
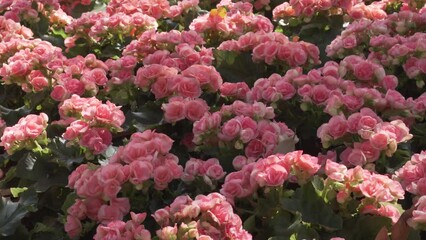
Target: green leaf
[238, 67]
[313, 209]
[150, 114]
[29, 168]
[11, 213]
[250, 223]
[365, 226]
[69, 201]
[285, 224]
[10, 174]
[67, 155]
[11, 116]
[16, 191]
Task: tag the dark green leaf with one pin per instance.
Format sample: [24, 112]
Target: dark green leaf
[250, 223]
[67, 155]
[238, 67]
[11, 213]
[365, 226]
[313, 209]
[11, 116]
[69, 201]
[148, 115]
[31, 169]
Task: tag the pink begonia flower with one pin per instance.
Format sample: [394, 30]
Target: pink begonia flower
[174, 111]
[96, 139]
[73, 226]
[335, 171]
[78, 209]
[195, 109]
[418, 219]
[23, 134]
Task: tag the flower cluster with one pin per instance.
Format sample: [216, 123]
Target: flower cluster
[179, 108]
[307, 8]
[147, 155]
[181, 58]
[257, 4]
[236, 91]
[376, 191]
[374, 136]
[37, 65]
[243, 127]
[209, 170]
[326, 88]
[150, 41]
[271, 171]
[90, 122]
[166, 81]
[23, 67]
[230, 21]
[29, 133]
[132, 229]
[10, 29]
[102, 28]
[413, 179]
[78, 75]
[206, 217]
[274, 48]
[365, 72]
[223, 86]
[23, 10]
[381, 35]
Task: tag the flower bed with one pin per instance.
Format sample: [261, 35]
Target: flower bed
[194, 119]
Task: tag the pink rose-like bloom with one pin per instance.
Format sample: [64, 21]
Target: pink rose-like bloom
[33, 125]
[230, 129]
[28, 129]
[174, 111]
[379, 141]
[418, 220]
[335, 171]
[59, 93]
[371, 153]
[285, 89]
[117, 209]
[254, 148]
[320, 93]
[353, 157]
[113, 230]
[96, 139]
[73, 226]
[109, 114]
[364, 71]
[239, 162]
[271, 171]
[76, 129]
[97, 76]
[188, 87]
[140, 171]
[338, 126]
[381, 188]
[78, 209]
[305, 166]
[195, 109]
[162, 176]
